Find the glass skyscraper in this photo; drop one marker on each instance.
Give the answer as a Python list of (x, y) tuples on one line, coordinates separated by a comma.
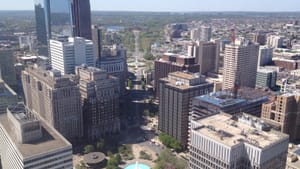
[(57, 18)]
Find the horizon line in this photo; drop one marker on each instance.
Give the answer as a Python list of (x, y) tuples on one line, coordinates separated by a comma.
[(13, 10)]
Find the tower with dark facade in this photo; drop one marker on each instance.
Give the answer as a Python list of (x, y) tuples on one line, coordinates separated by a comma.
[(82, 18)]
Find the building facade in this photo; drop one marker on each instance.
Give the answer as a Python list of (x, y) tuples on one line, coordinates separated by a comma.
[(56, 18), (207, 57), (240, 65), (176, 93), (7, 96), (245, 100), (100, 101), (82, 18), (66, 55), (283, 114), (265, 55), (223, 141), (171, 62), (27, 142), (56, 98), (96, 37), (266, 78)]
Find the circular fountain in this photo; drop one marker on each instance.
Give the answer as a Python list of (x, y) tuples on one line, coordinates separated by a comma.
[(137, 166)]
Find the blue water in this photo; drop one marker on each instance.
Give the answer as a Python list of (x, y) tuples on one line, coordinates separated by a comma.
[(141, 166), (115, 28)]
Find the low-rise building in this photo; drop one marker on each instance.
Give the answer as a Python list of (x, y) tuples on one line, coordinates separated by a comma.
[(28, 142), (224, 141)]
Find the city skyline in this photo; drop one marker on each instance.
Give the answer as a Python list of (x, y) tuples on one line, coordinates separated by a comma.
[(176, 5)]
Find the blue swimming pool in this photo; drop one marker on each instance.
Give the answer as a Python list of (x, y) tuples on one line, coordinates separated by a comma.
[(137, 166)]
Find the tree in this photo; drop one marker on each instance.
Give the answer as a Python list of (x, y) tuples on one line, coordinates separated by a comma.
[(170, 142), (129, 83), (88, 149), (100, 145), (168, 161), (118, 158)]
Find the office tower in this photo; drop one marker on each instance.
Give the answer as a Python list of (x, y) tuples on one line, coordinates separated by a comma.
[(55, 98), (195, 34), (266, 78), (176, 93), (260, 38), (245, 142), (207, 57), (27, 142), (53, 19), (240, 65), (233, 101), (283, 114), (114, 61), (7, 96), (97, 40), (8, 72), (171, 62), (100, 101), (265, 55), (41, 8), (275, 41), (82, 18), (66, 55), (57, 18), (205, 33)]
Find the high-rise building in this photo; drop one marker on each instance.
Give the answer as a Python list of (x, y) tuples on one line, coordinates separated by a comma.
[(195, 34), (207, 57), (97, 40), (7, 96), (266, 78), (265, 55), (232, 101), (100, 101), (41, 8), (283, 114), (66, 55), (240, 65), (82, 18), (27, 142), (205, 33), (259, 38), (55, 98), (114, 61), (8, 72), (53, 19), (171, 62), (176, 93), (224, 141), (56, 18), (275, 41)]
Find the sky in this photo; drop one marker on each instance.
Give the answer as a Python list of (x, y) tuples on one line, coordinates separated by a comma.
[(173, 5)]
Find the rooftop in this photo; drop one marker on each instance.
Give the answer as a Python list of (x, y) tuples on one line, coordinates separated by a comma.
[(22, 114), (226, 97), (231, 130), (51, 140), (293, 157)]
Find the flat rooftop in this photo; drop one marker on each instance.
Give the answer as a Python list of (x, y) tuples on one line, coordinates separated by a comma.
[(226, 97), (184, 75), (224, 129), (51, 140)]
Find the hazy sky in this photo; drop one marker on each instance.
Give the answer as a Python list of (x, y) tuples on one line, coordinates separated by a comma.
[(173, 5)]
